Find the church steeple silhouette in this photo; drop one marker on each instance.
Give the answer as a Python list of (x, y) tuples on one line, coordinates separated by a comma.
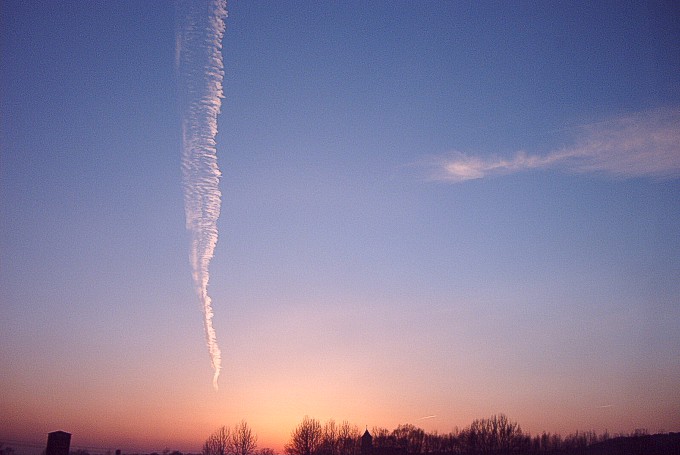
[(366, 443)]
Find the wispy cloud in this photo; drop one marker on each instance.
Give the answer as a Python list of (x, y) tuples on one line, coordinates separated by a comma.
[(645, 144), (428, 417)]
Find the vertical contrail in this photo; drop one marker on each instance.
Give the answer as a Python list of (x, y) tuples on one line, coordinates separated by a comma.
[(200, 69)]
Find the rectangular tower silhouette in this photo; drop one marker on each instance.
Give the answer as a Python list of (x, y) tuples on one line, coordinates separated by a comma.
[(58, 443)]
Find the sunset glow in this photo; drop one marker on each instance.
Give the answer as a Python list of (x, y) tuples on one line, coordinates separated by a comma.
[(428, 213)]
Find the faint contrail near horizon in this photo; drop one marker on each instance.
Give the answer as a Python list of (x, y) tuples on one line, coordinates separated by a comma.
[(200, 68)]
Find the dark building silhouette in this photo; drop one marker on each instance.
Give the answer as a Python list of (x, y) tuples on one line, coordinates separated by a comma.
[(367, 443), (58, 443), (367, 447)]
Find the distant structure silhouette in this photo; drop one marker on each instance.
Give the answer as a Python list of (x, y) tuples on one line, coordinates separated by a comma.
[(367, 447), (58, 443), (367, 443)]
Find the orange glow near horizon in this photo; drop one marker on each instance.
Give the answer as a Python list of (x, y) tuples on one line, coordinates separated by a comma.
[(180, 418), (272, 393)]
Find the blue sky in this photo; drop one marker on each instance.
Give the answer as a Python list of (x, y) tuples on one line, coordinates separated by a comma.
[(352, 260)]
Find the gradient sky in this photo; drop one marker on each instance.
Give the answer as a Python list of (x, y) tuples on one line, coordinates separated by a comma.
[(429, 208)]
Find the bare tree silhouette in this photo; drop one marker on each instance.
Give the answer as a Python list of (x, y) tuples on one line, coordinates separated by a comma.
[(348, 439), (243, 440), (218, 442), (329, 439), (495, 435), (306, 439)]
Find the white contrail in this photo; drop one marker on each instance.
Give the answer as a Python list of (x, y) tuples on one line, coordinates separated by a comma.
[(201, 70)]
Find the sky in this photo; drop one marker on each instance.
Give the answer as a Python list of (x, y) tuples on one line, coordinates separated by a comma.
[(448, 209)]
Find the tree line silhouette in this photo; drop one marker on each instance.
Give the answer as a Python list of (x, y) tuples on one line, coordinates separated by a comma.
[(495, 435)]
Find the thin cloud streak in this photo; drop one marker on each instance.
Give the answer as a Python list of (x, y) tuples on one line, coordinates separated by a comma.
[(201, 71), (645, 144)]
